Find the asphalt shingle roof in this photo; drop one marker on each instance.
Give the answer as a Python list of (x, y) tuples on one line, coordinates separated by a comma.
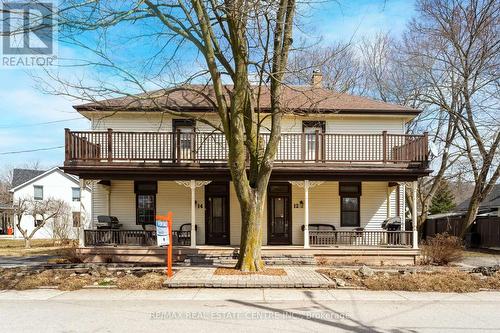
[(490, 202), (294, 98), (21, 176)]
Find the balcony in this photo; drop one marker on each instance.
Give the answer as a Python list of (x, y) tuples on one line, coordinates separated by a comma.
[(109, 147)]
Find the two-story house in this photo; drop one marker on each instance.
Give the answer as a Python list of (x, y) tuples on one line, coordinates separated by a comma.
[(338, 175), (51, 184)]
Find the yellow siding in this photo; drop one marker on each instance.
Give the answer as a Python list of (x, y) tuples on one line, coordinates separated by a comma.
[(123, 203), (324, 207), (100, 200), (290, 124), (177, 199)]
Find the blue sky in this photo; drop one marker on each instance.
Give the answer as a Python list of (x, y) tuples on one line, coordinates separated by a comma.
[(23, 107)]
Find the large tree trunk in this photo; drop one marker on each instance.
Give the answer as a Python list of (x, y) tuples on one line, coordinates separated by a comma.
[(27, 243), (250, 259)]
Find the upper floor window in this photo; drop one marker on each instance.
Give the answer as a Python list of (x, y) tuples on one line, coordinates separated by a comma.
[(350, 194), (184, 137), (38, 192), (75, 193), (313, 144)]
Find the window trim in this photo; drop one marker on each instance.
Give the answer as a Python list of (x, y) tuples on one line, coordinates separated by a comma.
[(314, 123), (356, 195), (137, 208), (139, 192), (73, 194), (34, 192)]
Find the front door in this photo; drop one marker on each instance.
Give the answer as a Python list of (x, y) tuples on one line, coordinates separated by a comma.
[(217, 214), (279, 224)]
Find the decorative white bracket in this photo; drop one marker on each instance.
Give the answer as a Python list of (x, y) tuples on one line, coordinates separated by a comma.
[(193, 183), (304, 183)]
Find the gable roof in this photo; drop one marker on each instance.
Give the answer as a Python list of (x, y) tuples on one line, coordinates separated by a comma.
[(43, 174), (492, 201), (197, 98), (20, 176)]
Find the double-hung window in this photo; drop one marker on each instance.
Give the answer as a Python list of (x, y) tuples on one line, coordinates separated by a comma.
[(313, 135), (75, 193), (38, 192), (350, 194)]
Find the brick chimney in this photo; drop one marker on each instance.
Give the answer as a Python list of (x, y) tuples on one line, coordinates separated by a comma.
[(317, 77)]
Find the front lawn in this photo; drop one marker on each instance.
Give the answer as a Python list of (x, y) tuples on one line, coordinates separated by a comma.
[(443, 280), (15, 247)]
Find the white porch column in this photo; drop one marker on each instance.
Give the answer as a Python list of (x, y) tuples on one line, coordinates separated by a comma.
[(193, 184), (306, 214), (193, 212), (307, 185), (81, 228), (414, 214)]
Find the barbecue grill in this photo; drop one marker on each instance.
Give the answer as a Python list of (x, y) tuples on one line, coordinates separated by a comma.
[(108, 222), (393, 224)]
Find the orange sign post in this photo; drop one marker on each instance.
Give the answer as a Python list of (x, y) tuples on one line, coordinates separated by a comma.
[(164, 237), (169, 248)]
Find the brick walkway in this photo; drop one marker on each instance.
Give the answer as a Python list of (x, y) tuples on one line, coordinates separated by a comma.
[(203, 277)]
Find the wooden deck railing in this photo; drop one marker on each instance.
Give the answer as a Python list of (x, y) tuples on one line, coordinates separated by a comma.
[(115, 237), (360, 238), (199, 147)]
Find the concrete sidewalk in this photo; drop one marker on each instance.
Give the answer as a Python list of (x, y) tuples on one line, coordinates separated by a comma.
[(247, 310), (249, 294)]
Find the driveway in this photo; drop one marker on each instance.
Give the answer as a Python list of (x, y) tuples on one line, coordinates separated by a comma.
[(17, 261), (475, 259), (247, 310)]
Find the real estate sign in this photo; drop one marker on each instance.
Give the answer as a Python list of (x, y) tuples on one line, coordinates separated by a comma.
[(162, 237)]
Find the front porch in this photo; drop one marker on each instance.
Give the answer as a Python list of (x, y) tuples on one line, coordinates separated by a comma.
[(310, 214)]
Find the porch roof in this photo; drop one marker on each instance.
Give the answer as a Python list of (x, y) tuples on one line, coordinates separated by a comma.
[(220, 171)]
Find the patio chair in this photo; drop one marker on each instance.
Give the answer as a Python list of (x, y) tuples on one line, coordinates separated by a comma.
[(183, 236), (324, 239)]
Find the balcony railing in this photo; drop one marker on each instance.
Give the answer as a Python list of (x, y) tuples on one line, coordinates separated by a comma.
[(201, 147), (361, 238)]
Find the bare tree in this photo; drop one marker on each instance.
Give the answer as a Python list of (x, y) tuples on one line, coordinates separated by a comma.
[(464, 40), (6, 185), (42, 211), (224, 42), (404, 73), (337, 63), (61, 225)]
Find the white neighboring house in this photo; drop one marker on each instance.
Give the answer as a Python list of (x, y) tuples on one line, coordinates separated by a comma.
[(53, 183)]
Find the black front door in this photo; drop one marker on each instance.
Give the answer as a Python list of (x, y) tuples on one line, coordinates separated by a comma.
[(279, 224), (217, 214)]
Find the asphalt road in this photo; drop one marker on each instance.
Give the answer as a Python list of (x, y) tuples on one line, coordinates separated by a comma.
[(247, 310)]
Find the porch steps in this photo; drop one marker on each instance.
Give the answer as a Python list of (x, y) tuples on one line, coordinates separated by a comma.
[(231, 259)]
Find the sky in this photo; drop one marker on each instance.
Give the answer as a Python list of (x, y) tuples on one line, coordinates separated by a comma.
[(32, 120)]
